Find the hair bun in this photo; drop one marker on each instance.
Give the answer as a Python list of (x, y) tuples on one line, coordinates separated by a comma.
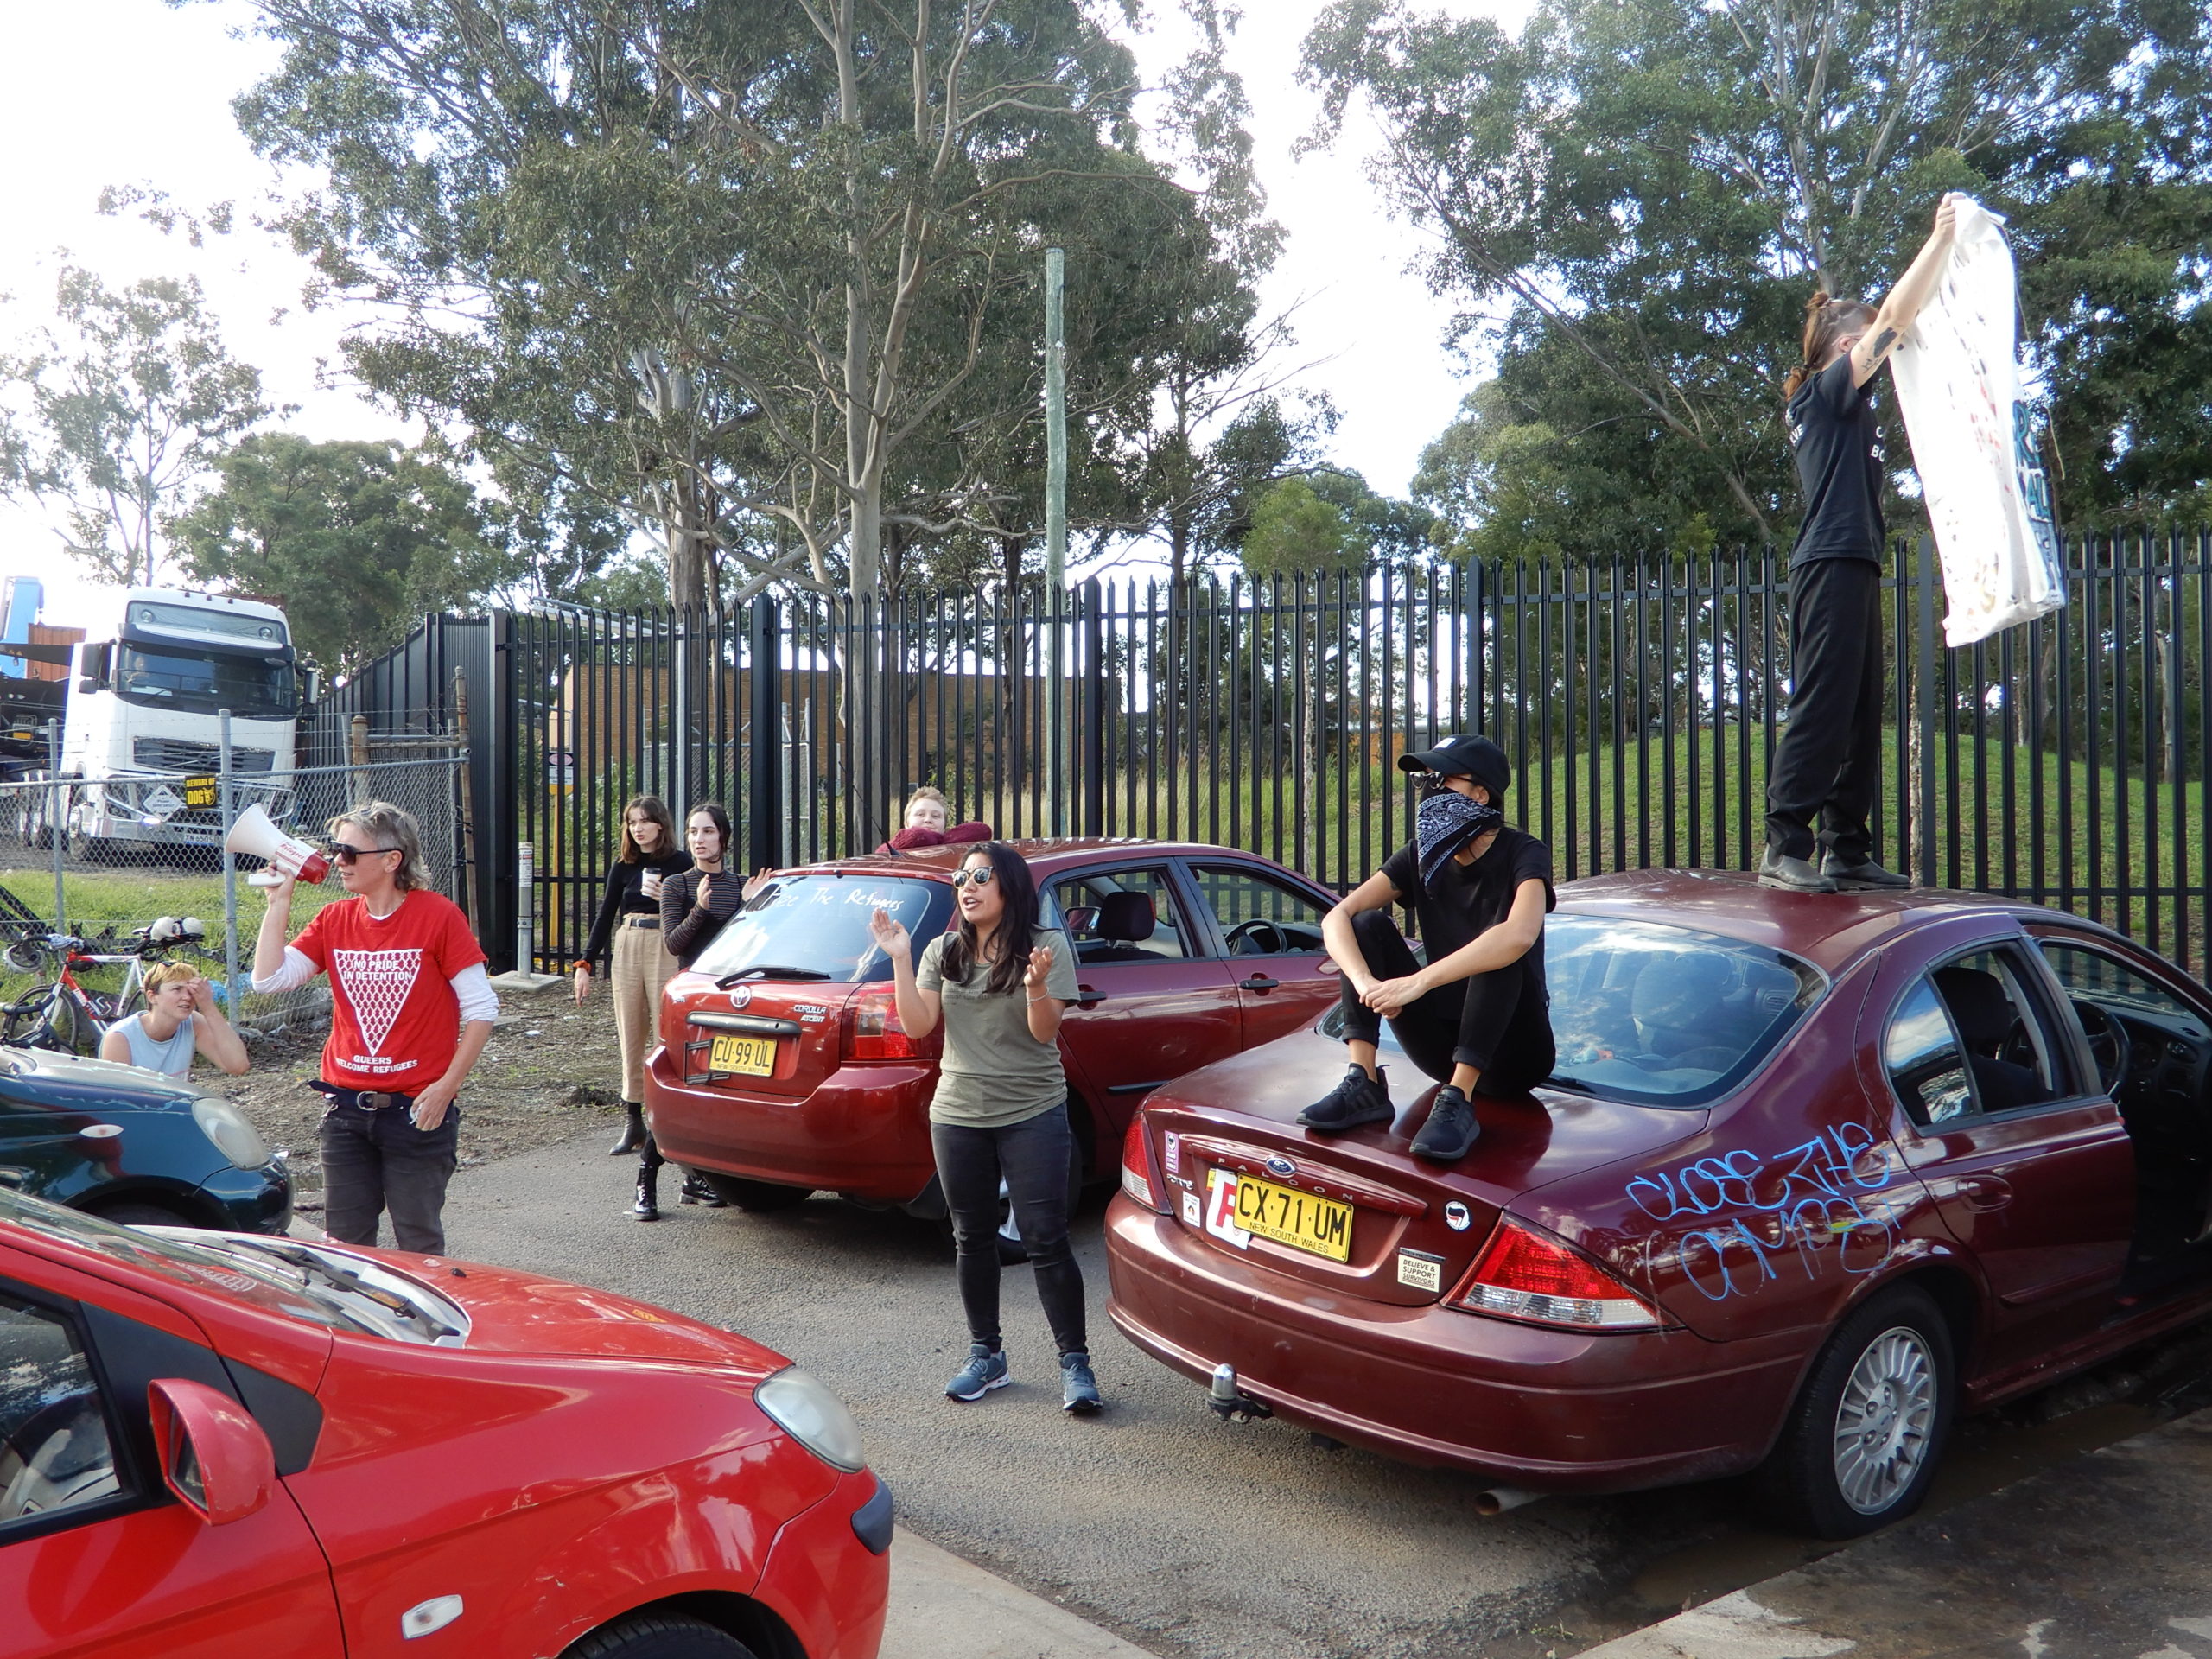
[(1818, 302)]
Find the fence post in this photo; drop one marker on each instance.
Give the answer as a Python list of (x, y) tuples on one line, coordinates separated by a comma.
[(1093, 668), (1924, 708), (57, 813), (1471, 716), (526, 908), (225, 813), (764, 805)]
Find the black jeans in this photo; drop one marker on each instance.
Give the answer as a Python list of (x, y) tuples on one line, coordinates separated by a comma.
[(1036, 1157), (377, 1162), (1829, 761), (1486, 1021)]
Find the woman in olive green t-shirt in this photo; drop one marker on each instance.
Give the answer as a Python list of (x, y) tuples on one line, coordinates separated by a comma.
[(1001, 1107)]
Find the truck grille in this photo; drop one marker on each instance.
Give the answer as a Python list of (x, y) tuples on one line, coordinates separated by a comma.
[(176, 755)]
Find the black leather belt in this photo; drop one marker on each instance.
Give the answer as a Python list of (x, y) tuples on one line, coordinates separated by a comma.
[(369, 1100), (653, 922)]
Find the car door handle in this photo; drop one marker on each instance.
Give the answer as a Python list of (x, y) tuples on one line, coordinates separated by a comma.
[(1257, 982), (1086, 997), (1986, 1193)]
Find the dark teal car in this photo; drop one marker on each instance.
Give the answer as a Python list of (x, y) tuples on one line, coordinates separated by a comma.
[(135, 1147)]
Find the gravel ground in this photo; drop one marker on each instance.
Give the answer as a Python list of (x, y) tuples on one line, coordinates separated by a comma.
[(550, 1071)]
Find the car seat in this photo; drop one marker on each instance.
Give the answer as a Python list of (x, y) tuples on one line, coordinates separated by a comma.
[(1674, 1004), (1125, 921), (1987, 1019)]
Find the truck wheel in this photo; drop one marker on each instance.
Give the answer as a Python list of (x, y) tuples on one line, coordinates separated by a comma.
[(658, 1635), (757, 1197), (1862, 1441)]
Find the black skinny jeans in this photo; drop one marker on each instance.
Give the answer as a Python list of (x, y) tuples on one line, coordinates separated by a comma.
[(1829, 761), (1484, 1021), (1037, 1159), (379, 1162)]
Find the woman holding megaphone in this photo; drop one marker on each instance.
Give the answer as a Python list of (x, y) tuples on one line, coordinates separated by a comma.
[(411, 1011)]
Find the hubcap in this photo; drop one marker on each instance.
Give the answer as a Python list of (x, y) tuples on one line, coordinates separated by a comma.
[(1885, 1419)]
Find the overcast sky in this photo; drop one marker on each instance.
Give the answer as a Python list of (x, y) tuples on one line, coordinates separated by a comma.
[(134, 91)]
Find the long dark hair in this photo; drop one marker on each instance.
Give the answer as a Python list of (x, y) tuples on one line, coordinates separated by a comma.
[(1017, 929), (1827, 321), (652, 807)]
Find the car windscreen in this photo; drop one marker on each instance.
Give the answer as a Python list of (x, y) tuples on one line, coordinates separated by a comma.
[(1663, 1015), (816, 927), (253, 688)]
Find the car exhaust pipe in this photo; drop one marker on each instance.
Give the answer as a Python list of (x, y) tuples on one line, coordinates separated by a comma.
[(1230, 1404), (1496, 1500)]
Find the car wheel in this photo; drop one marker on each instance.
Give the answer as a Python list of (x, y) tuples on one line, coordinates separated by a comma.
[(1864, 1438), (143, 1215), (658, 1635), (758, 1197)]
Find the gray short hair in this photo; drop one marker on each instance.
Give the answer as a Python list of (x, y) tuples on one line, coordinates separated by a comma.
[(387, 825)]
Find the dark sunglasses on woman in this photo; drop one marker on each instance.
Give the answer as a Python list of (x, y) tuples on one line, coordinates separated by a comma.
[(982, 878), (346, 855)]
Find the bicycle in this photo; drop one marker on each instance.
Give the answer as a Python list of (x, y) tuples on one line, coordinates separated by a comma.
[(68, 1018)]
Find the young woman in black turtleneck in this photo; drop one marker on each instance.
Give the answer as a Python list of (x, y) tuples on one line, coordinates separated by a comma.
[(628, 929)]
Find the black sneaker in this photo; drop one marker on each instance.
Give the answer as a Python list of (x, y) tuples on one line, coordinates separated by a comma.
[(1358, 1099), (1862, 877), (1451, 1129), (1792, 875)]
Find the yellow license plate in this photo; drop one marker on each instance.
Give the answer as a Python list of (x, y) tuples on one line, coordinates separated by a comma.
[(743, 1056), (1301, 1220), (199, 791)]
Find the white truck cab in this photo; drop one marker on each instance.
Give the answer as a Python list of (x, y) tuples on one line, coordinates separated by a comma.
[(140, 732)]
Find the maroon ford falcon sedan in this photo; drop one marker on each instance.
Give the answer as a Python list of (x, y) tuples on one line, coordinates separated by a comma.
[(784, 1069), (1814, 1172)]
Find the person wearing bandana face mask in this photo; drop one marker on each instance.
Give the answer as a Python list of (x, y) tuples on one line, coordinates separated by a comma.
[(1477, 1017)]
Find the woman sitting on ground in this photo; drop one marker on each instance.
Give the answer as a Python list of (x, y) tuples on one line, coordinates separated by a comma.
[(179, 1018)]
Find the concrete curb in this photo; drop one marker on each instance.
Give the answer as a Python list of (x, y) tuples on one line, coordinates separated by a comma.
[(941, 1605)]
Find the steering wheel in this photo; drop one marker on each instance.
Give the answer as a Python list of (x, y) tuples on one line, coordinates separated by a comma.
[(59, 1456), (1254, 930), (2109, 1045)]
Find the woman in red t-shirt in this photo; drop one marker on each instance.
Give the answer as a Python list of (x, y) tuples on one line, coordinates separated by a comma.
[(410, 1009)]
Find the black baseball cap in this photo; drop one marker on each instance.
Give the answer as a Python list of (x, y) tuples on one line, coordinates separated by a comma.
[(1466, 755)]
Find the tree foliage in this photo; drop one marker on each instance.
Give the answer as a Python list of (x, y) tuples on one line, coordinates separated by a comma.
[(120, 415), (355, 540), (1638, 196)]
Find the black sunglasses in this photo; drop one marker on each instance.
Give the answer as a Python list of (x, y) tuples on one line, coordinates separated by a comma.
[(346, 855), (982, 878)]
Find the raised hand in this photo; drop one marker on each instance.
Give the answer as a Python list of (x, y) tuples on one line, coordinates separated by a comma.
[(890, 934), (1039, 969)]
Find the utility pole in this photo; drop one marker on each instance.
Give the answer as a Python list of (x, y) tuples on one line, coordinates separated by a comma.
[(1056, 423)]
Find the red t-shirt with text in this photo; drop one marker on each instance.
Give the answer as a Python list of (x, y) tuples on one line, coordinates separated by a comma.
[(395, 1021)]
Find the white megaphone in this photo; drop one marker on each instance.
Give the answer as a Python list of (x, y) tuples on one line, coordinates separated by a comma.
[(253, 833)]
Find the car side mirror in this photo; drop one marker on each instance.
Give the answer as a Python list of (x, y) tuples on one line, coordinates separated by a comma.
[(214, 1456), (1081, 918), (87, 686)]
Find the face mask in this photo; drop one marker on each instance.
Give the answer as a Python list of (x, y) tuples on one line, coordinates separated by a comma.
[(1443, 824)]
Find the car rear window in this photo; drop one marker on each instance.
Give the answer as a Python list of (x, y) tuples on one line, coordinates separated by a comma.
[(816, 927), (1663, 1015)]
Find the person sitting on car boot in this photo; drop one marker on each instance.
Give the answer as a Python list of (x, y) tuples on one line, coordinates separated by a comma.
[(1477, 1017)]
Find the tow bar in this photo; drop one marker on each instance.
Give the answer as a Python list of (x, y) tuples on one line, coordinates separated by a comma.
[(1230, 1404)]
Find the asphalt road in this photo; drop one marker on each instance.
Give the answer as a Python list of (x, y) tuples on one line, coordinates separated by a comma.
[(1184, 1534)]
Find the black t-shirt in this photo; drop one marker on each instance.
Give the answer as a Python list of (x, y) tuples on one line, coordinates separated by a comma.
[(625, 896), (1472, 898), (1839, 449)]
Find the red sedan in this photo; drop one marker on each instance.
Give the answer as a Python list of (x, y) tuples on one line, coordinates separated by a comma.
[(222, 1444), (1814, 1174), (783, 1068)]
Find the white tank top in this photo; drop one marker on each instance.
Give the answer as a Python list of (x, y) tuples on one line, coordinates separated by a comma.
[(173, 1057)]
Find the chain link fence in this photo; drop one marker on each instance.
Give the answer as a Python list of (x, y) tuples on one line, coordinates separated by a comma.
[(100, 860)]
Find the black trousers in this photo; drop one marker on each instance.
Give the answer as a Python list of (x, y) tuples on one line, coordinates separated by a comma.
[(1487, 1021), (1036, 1159), (1828, 764), (375, 1162)]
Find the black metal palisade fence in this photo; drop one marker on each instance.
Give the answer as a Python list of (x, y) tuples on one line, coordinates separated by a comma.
[(2063, 761)]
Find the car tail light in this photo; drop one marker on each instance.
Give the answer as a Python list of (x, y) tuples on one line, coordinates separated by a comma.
[(872, 1027), (1526, 1274), (1139, 1180)]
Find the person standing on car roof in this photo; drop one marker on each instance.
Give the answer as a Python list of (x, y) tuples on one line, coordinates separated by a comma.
[(411, 1011), (628, 924), (695, 904), (1830, 758), (1477, 1017), (1001, 1109)]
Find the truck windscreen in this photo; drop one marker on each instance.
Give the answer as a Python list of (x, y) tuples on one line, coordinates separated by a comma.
[(251, 688)]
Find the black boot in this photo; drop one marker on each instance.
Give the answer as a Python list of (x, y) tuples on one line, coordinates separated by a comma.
[(695, 1191), (633, 1130), (647, 1208)]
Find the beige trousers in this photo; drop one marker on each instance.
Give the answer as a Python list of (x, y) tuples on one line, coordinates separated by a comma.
[(641, 967)]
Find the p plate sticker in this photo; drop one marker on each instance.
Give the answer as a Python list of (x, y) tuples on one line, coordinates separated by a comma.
[(1421, 1271), (1221, 1208), (1194, 1212), (1456, 1217), (1174, 1153)]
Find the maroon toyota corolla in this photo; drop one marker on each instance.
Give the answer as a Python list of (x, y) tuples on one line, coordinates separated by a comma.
[(784, 1069), (1814, 1174)]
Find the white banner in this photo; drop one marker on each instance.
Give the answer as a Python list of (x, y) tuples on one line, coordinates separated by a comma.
[(1974, 442)]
